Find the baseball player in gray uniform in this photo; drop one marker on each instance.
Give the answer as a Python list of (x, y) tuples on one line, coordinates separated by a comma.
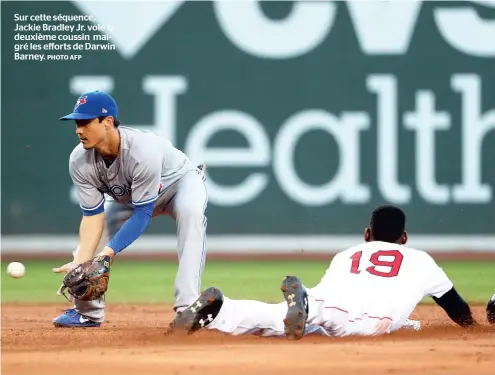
[(125, 177)]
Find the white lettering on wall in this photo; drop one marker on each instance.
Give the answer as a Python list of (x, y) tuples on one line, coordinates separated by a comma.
[(384, 27), (464, 30), (256, 155), (385, 87), (425, 120), (381, 27), (345, 184), (347, 130), (475, 126), (304, 29), (165, 90)]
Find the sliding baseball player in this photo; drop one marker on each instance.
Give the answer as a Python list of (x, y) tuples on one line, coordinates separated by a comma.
[(369, 289)]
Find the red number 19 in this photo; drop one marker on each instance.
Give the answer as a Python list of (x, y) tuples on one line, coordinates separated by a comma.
[(394, 264)]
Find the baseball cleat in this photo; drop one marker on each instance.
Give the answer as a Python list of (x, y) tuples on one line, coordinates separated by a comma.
[(200, 313), (297, 303), (71, 318), (490, 310)]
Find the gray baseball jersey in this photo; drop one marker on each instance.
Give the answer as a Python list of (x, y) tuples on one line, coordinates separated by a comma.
[(148, 169), (146, 166)]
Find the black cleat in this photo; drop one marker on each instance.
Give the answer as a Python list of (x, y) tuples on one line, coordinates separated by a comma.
[(297, 303), (200, 313), (490, 310)]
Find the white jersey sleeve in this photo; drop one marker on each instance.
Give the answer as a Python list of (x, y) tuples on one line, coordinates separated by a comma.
[(436, 281), (91, 200), (146, 175)]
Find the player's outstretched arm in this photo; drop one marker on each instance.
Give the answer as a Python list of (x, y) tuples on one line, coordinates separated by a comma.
[(91, 201), (90, 232), (456, 308), (441, 289)]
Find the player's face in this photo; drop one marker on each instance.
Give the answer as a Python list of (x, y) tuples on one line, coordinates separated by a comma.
[(90, 132)]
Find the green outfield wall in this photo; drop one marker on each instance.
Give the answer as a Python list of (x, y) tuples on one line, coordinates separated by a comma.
[(307, 114)]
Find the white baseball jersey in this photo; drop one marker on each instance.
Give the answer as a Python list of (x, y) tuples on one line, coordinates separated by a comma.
[(376, 281), (369, 289), (148, 164)]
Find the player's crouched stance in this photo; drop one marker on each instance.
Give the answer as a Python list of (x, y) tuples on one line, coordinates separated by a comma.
[(124, 177), (369, 289)]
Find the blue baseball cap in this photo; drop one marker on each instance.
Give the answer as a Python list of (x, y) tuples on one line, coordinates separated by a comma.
[(92, 105)]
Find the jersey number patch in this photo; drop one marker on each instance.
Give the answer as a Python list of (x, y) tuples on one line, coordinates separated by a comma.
[(394, 264)]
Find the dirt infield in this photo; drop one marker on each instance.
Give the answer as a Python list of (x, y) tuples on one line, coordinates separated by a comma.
[(133, 342)]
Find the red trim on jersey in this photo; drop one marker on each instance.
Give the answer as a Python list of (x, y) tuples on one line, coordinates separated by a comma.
[(336, 308), (372, 317), (361, 318), (378, 317)]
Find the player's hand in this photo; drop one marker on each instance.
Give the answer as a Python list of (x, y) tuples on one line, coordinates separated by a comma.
[(107, 251), (65, 268)]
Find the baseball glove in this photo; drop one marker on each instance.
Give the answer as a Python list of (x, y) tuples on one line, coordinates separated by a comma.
[(490, 310), (89, 280)]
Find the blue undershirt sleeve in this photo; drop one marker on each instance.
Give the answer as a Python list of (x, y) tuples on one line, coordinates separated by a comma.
[(133, 227)]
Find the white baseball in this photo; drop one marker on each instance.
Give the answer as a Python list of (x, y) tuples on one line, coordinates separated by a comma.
[(16, 270)]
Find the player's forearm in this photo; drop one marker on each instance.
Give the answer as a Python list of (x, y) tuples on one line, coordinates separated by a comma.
[(456, 308), (90, 232)]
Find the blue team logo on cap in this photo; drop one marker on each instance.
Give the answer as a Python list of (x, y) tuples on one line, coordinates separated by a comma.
[(81, 100)]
